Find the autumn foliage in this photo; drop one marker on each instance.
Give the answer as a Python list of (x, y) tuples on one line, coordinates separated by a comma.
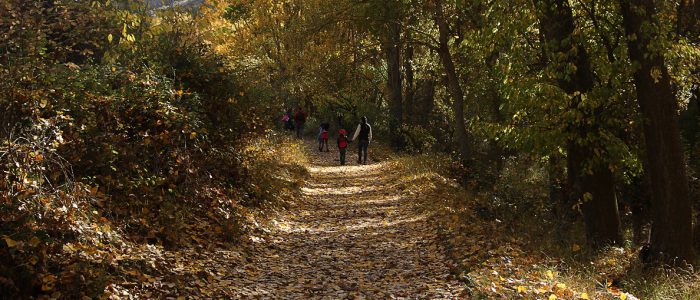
[(117, 130), (141, 148)]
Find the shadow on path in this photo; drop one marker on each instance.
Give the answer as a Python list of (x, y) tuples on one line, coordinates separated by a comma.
[(354, 238)]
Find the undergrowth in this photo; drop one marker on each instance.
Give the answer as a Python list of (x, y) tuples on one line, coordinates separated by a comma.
[(503, 242), (123, 134), (92, 250)]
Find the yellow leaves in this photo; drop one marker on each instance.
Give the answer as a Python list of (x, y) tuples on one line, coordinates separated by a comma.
[(655, 74), (69, 248), (110, 38), (587, 197), (34, 241), (43, 103), (584, 296), (623, 296), (521, 289), (193, 135), (10, 242), (549, 274), (552, 297), (575, 248)]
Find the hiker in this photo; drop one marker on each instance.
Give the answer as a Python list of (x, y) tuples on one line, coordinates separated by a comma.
[(299, 120), (287, 120), (323, 136), (342, 144), (364, 133)]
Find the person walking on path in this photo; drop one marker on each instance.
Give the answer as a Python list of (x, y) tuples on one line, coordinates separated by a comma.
[(323, 136), (299, 120), (364, 133), (287, 120), (342, 144)]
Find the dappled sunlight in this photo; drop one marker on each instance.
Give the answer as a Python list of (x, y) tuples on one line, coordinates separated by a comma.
[(361, 200), (356, 234), (338, 191), (349, 149), (348, 169), (386, 224)]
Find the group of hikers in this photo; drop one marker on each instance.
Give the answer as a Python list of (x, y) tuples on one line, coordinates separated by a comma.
[(294, 121), (363, 134)]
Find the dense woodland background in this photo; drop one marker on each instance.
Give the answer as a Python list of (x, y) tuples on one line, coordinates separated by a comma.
[(126, 125)]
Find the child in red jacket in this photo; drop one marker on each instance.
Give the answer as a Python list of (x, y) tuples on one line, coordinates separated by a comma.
[(343, 142)]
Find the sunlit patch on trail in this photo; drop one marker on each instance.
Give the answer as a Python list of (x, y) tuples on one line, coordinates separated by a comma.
[(376, 202), (357, 235), (386, 223), (338, 191), (365, 169)]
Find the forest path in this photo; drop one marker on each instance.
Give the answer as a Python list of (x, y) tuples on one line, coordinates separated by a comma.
[(353, 237)]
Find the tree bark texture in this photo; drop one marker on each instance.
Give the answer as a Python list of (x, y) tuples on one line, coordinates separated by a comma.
[(424, 101), (461, 135), (410, 87), (671, 211), (392, 50)]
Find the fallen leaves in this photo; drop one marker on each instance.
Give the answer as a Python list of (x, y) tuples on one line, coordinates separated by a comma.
[(494, 261), (10, 242), (357, 232)]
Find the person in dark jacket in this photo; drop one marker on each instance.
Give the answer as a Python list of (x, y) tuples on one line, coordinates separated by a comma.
[(299, 121), (364, 134)]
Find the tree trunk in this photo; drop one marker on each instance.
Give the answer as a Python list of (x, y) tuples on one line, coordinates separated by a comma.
[(424, 101), (410, 88), (671, 212), (594, 187), (639, 202), (461, 135), (392, 51), (557, 195)]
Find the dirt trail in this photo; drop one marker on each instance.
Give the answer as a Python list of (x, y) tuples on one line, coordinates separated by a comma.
[(354, 237)]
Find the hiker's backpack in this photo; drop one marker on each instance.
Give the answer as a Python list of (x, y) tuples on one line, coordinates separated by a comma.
[(324, 135)]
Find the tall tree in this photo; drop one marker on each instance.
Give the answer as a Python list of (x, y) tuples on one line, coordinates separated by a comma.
[(410, 85), (443, 49), (588, 181), (391, 45), (671, 210)]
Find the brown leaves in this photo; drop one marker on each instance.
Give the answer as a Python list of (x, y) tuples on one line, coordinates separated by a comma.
[(497, 262)]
